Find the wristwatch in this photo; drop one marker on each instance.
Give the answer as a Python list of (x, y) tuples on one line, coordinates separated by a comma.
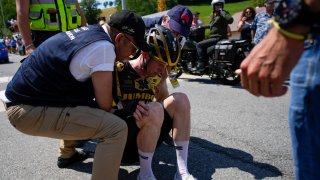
[(295, 12)]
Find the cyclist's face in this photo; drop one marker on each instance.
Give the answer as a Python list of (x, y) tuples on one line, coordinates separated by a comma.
[(155, 67)]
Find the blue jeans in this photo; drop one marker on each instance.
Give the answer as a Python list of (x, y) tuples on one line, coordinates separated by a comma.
[(304, 113)]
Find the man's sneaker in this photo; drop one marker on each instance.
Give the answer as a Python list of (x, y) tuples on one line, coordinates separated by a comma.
[(199, 68), (77, 157), (146, 178), (188, 177)]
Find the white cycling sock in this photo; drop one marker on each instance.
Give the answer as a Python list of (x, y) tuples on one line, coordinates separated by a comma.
[(145, 164), (182, 157)]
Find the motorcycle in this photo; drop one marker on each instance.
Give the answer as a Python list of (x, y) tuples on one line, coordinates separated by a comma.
[(224, 58)]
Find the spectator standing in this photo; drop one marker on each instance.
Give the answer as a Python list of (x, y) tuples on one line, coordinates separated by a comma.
[(101, 20), (196, 21), (7, 42), (292, 45), (20, 47), (245, 23), (13, 45), (260, 25), (39, 20)]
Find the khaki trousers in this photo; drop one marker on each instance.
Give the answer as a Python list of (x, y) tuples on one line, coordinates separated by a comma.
[(76, 123)]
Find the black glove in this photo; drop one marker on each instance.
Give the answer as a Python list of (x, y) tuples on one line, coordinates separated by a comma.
[(128, 110), (131, 107), (123, 114)]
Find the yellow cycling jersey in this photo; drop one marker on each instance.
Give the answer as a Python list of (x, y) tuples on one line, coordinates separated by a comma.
[(129, 86)]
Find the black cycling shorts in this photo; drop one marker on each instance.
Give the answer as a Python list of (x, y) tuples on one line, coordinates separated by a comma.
[(130, 154)]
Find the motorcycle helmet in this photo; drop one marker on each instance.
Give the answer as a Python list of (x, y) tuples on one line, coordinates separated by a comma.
[(164, 45), (217, 1)]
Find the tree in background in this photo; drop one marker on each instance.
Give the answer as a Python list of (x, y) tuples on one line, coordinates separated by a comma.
[(161, 5), (9, 12), (111, 3), (197, 2), (105, 4), (145, 7), (91, 11), (108, 3), (258, 3)]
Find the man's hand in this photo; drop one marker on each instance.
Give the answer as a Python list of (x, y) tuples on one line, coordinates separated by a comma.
[(141, 114), (269, 64), (30, 50)]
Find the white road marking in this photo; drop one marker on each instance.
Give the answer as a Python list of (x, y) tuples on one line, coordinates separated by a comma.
[(5, 79), (1, 107)]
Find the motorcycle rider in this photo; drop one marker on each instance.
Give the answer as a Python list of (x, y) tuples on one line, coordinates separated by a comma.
[(219, 30), (135, 84)]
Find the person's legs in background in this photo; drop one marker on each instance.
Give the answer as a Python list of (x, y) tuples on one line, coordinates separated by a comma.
[(202, 54)]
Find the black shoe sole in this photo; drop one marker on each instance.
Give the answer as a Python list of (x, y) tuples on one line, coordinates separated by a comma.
[(78, 157)]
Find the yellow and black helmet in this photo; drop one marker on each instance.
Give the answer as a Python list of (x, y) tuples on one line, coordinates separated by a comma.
[(164, 46)]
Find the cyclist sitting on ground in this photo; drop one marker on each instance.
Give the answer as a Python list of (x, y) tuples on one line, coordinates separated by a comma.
[(136, 83)]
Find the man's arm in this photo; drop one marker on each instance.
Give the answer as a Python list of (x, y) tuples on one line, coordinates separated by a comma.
[(269, 64), (102, 83), (271, 61), (227, 16), (83, 18), (22, 8), (254, 27), (253, 34), (313, 4)]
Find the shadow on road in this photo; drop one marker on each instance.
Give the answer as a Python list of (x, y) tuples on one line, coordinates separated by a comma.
[(207, 80), (212, 156), (201, 80), (205, 158)]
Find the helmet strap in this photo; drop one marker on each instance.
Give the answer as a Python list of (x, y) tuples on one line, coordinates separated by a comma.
[(144, 63)]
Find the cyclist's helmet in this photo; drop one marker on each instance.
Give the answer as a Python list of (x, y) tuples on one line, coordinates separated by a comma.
[(164, 45)]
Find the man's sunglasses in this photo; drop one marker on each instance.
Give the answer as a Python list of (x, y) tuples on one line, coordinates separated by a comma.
[(134, 47)]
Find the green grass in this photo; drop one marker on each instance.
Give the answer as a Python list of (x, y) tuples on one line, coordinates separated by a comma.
[(232, 8), (204, 9)]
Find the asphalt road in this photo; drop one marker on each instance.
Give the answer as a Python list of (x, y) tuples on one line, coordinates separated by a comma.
[(234, 135)]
